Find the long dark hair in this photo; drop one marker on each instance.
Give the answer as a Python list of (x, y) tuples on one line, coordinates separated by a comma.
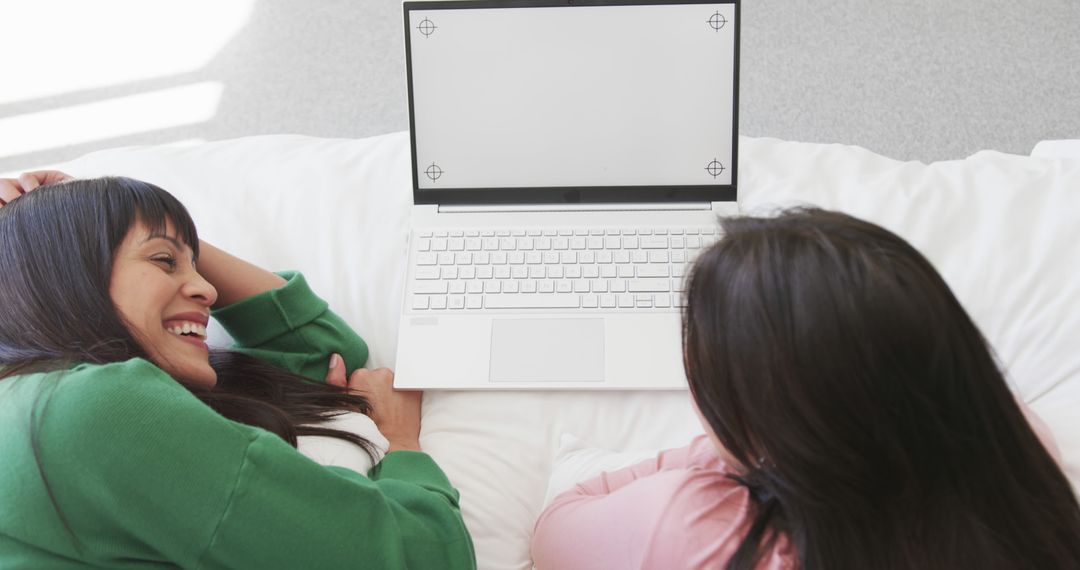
[(874, 427), (56, 255)]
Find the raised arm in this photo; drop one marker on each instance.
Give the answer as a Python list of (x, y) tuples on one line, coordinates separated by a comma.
[(234, 278)]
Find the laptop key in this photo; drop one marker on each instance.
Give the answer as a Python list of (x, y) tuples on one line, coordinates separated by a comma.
[(430, 288), (532, 301), (654, 242), (652, 270), (648, 285), (426, 273)]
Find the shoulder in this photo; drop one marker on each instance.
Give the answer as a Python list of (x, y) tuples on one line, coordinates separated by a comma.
[(131, 424), (132, 374), (682, 517), (700, 515), (132, 401), (91, 390)]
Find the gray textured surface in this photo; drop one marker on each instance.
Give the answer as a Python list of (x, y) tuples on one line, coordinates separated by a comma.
[(923, 80)]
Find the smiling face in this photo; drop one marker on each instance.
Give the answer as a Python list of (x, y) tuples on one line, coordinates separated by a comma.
[(165, 302)]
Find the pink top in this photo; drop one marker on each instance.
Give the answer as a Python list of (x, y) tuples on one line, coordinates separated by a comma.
[(677, 510)]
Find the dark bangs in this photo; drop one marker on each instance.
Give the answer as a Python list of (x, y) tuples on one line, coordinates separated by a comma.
[(128, 201)]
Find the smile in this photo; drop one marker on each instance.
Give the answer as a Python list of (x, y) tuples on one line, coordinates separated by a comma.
[(187, 329)]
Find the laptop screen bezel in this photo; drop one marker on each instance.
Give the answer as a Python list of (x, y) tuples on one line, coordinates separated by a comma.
[(565, 194)]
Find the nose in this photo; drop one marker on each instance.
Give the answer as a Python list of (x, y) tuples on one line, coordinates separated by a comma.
[(199, 289)]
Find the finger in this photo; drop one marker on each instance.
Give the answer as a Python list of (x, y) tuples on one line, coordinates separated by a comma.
[(335, 374), (9, 190), (28, 181), (38, 178), (51, 176)]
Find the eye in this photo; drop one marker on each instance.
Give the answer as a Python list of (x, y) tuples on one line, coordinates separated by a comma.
[(166, 260)]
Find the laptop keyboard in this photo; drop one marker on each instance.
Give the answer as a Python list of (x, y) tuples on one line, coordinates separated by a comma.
[(604, 269)]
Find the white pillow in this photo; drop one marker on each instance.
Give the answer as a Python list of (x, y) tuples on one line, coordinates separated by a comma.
[(577, 461), (1065, 148)]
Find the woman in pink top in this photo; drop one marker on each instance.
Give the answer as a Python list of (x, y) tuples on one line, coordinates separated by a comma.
[(855, 418)]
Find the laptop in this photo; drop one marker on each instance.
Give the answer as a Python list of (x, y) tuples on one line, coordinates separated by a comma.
[(569, 160)]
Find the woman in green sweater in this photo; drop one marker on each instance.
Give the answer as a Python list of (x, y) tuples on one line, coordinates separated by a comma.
[(127, 444)]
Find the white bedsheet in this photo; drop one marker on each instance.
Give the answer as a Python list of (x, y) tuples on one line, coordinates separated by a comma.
[(1002, 229)]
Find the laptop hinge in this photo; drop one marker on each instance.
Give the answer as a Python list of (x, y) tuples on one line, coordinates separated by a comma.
[(619, 207)]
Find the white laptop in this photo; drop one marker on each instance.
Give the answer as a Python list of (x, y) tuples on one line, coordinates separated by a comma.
[(570, 159)]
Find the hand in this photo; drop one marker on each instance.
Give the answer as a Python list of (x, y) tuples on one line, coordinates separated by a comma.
[(11, 188), (395, 412)]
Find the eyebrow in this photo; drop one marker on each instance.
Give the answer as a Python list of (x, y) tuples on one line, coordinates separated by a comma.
[(180, 246)]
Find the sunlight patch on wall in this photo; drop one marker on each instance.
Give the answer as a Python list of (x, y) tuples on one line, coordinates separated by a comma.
[(77, 124), (73, 45)]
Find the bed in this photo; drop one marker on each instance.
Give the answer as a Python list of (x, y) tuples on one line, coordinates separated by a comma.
[(1003, 230)]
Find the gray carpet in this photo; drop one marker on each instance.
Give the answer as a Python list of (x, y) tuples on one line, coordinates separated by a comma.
[(918, 80)]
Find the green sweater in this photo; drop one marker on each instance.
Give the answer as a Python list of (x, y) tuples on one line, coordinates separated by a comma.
[(132, 471)]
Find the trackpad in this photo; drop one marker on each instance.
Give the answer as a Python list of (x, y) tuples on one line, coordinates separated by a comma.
[(538, 350)]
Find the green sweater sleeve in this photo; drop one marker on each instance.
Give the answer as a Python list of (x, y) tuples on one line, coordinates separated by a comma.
[(292, 328), (142, 470)]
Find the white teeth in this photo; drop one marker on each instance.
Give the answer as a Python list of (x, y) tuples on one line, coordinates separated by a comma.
[(188, 328)]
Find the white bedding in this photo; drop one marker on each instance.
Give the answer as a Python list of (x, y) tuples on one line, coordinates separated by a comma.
[(1002, 229)]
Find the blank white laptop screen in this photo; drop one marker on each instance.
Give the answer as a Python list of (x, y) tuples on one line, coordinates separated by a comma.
[(639, 95)]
